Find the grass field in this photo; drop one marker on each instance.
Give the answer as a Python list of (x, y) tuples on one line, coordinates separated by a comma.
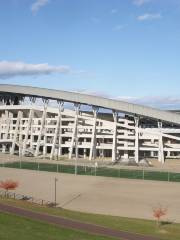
[(19, 228), (167, 231), (100, 171)]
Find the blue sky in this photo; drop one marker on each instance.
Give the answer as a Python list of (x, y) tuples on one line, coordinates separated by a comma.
[(126, 49)]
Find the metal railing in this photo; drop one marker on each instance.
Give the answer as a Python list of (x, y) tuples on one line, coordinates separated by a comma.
[(17, 196)]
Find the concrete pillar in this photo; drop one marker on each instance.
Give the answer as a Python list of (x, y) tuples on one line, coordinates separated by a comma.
[(152, 154), (160, 150), (168, 154), (75, 131), (1, 122), (31, 132), (15, 133), (136, 119), (57, 130), (85, 150), (20, 134), (126, 155), (114, 146), (7, 121), (11, 125), (27, 131), (92, 153), (43, 118)]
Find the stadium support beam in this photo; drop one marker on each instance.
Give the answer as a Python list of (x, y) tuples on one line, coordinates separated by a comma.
[(92, 154), (136, 120), (114, 146), (20, 134), (27, 131), (16, 132), (85, 149), (1, 124), (161, 150), (7, 116), (8, 120), (43, 118), (57, 130), (74, 133)]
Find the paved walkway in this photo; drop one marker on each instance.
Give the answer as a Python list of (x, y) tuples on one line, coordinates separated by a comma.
[(73, 224)]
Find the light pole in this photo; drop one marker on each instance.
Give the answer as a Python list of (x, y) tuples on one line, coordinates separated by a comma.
[(55, 181)]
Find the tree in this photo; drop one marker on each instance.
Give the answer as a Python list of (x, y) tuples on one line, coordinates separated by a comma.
[(158, 213), (9, 185)]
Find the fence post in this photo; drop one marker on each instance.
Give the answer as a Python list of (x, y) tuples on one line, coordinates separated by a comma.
[(168, 176), (57, 167), (143, 173)]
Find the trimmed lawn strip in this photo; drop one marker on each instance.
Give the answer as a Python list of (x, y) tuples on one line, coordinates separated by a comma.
[(14, 227), (146, 227)]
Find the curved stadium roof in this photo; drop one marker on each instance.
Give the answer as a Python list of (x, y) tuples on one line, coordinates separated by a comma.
[(117, 105)]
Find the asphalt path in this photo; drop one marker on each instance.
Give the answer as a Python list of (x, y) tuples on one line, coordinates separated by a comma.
[(73, 224)]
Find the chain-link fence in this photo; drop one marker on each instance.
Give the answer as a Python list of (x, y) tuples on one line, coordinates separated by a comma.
[(93, 170)]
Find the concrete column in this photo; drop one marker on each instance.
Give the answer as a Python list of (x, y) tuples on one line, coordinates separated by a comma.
[(75, 132), (45, 144), (43, 118), (92, 153), (32, 100), (31, 132), (1, 122), (160, 150), (7, 121), (168, 154), (31, 111), (126, 155), (4, 130), (152, 154), (15, 133), (136, 119), (114, 146), (20, 134), (57, 130), (11, 126), (85, 150)]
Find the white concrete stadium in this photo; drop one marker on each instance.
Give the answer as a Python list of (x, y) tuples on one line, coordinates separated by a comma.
[(52, 123)]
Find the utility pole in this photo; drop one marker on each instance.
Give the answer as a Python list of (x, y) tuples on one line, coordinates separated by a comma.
[(55, 181)]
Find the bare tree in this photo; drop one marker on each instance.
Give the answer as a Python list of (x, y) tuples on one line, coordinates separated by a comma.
[(158, 213)]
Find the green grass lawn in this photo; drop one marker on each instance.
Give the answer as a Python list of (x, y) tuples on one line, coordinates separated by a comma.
[(13, 227), (164, 232), (100, 171)]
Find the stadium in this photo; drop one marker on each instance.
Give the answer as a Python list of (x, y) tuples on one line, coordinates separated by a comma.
[(52, 123)]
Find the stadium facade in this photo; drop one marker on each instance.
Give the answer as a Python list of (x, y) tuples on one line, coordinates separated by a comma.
[(51, 123)]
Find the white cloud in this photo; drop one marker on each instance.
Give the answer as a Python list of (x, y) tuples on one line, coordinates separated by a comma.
[(14, 69), (149, 16), (38, 4), (140, 2)]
